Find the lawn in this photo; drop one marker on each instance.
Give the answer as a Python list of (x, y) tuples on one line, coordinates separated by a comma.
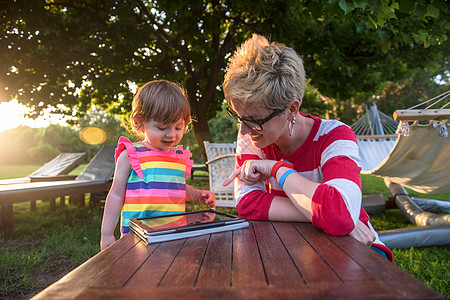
[(46, 246)]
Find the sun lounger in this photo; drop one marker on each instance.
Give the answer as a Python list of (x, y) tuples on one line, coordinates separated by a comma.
[(96, 177), (56, 169)]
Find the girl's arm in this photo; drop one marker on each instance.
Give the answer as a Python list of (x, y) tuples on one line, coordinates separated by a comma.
[(114, 200), (203, 196)]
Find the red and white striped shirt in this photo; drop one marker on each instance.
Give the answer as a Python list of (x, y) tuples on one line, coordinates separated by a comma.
[(328, 156)]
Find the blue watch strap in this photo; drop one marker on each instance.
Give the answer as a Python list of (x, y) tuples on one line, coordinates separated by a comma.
[(284, 176)]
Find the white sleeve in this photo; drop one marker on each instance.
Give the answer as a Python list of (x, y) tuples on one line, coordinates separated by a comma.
[(244, 151)]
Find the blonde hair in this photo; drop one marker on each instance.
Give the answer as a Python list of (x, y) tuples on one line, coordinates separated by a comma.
[(161, 101), (270, 74)]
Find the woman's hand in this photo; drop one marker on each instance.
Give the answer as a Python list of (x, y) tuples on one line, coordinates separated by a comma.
[(363, 234), (252, 171)]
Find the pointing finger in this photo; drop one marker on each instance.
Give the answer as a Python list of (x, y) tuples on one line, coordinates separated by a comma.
[(232, 177)]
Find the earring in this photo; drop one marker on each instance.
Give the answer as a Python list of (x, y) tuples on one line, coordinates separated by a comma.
[(291, 127)]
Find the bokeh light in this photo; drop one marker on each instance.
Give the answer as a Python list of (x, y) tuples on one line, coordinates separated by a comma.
[(93, 135)]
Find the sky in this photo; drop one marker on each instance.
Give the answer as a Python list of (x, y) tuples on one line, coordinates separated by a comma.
[(12, 114)]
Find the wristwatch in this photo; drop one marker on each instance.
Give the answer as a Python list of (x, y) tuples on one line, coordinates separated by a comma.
[(279, 164)]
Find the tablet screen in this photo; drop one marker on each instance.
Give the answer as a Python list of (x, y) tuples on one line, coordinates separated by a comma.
[(188, 220)]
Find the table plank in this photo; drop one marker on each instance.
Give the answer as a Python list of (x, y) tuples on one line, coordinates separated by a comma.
[(359, 290), (395, 278), (247, 267), (345, 267), (77, 280), (120, 272), (184, 269), (278, 265), (154, 268), (313, 268), (216, 266)]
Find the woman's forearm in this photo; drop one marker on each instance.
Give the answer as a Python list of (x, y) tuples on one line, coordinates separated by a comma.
[(283, 209), (300, 192)]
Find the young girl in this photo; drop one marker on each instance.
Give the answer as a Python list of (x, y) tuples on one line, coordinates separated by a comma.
[(150, 176)]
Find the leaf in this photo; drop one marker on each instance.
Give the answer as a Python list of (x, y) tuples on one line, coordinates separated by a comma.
[(389, 11), (361, 4), (441, 6), (406, 6), (420, 11), (432, 11), (346, 6)]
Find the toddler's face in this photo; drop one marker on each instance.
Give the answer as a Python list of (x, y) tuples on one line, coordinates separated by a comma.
[(161, 136)]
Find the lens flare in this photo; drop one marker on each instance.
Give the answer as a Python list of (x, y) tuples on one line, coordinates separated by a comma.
[(93, 135)]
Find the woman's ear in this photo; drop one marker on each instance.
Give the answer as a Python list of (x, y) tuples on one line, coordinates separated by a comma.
[(294, 108)]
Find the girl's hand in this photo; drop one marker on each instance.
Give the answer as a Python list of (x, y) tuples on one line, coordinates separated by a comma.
[(106, 241), (207, 197), (363, 234), (252, 171)]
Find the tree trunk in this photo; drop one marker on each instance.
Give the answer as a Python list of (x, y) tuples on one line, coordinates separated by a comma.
[(202, 133), (199, 105)]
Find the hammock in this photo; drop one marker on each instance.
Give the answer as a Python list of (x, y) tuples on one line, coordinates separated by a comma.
[(417, 158), (420, 161)]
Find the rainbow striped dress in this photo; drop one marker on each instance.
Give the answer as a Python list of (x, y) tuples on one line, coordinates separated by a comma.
[(157, 182)]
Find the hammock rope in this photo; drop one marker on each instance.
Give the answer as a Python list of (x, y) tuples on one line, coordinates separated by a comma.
[(439, 97)]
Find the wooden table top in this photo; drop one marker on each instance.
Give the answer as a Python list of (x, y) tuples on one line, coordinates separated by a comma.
[(268, 260)]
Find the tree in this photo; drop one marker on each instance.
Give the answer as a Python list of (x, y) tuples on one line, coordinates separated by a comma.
[(79, 53), (352, 48)]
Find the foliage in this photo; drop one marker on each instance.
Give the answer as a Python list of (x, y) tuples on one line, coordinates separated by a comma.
[(424, 84), (390, 219), (223, 128), (351, 48), (83, 53), (46, 246), (429, 265), (112, 125)]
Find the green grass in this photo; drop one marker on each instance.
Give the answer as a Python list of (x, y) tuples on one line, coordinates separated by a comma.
[(46, 246), (375, 185), (17, 171)]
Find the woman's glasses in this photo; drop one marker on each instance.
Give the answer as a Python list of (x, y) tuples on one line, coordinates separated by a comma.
[(256, 125)]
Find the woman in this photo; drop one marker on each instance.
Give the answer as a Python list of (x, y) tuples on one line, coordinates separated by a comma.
[(291, 166)]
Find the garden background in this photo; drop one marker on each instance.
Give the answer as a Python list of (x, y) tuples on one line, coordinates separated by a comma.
[(85, 58)]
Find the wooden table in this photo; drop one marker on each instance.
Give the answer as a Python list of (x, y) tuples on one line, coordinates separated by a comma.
[(269, 260)]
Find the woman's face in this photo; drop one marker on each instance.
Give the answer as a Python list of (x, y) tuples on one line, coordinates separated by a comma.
[(272, 129)]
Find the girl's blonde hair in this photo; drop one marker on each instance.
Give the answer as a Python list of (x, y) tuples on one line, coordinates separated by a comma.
[(161, 101), (269, 74)]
